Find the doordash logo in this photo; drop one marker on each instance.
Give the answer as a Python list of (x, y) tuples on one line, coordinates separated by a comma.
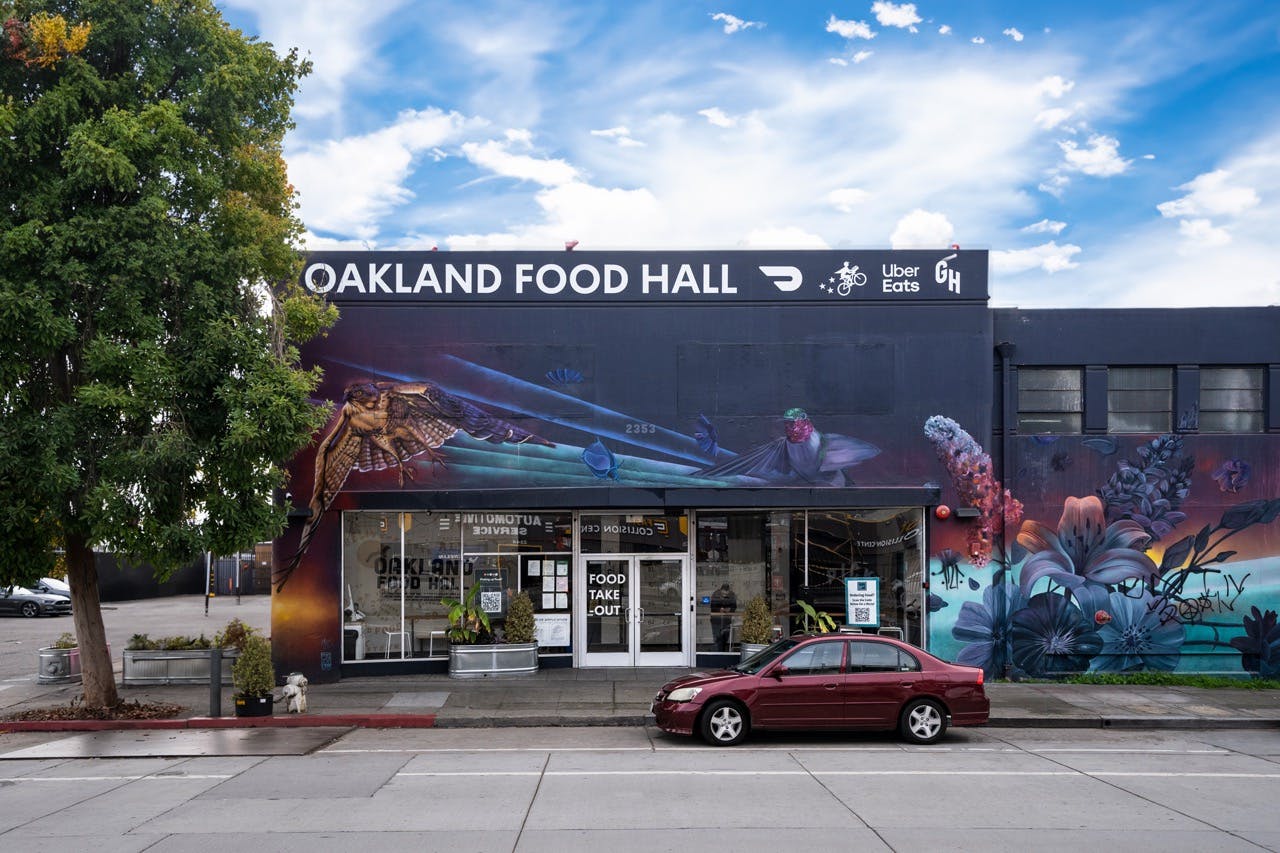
[(943, 274), (786, 279)]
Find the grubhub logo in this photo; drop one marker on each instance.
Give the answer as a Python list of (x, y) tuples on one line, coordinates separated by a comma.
[(943, 274)]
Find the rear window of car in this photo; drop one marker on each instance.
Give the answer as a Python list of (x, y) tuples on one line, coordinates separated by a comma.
[(880, 657)]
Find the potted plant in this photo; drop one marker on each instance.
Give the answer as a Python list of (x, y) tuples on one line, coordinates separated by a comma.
[(173, 660), (59, 662), (816, 621), (757, 626), (473, 648), (254, 678)]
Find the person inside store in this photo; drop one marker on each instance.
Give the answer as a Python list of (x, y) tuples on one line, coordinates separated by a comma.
[(723, 604)]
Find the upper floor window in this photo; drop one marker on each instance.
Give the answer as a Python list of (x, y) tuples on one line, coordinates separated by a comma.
[(1050, 400), (1139, 399), (1231, 399)]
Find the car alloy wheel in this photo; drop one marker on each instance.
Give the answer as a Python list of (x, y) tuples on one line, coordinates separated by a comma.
[(30, 608), (923, 722), (724, 724)]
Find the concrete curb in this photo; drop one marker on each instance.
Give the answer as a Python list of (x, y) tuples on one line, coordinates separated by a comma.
[(428, 721), (348, 721)]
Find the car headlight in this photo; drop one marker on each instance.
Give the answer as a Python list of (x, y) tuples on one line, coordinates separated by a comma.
[(683, 694)]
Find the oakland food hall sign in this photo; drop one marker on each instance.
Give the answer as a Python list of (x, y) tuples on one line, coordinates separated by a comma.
[(831, 276)]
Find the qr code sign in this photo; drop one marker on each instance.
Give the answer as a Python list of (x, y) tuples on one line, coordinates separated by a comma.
[(862, 615), (491, 602)]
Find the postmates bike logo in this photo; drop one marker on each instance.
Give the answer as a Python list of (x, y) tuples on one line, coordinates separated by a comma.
[(844, 280)]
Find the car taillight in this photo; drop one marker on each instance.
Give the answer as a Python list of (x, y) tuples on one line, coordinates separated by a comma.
[(981, 675)]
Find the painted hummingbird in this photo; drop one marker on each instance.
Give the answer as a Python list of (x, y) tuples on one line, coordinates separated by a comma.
[(803, 453)]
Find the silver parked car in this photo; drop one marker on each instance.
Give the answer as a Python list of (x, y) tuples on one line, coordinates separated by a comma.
[(52, 586), (20, 601)]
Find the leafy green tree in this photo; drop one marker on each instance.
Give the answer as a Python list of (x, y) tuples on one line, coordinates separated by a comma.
[(149, 383)]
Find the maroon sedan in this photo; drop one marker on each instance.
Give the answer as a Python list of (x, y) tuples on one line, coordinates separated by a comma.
[(828, 681)]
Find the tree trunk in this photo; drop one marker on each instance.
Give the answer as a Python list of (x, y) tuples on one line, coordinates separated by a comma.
[(91, 635)]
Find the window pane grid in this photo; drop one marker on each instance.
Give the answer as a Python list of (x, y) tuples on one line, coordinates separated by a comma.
[(1050, 400), (1231, 399), (1139, 399)]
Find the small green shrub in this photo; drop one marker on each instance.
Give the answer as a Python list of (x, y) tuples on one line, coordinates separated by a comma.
[(253, 673), (1173, 679), (141, 643), (66, 641), (757, 621), (468, 623), (520, 626), (234, 636)]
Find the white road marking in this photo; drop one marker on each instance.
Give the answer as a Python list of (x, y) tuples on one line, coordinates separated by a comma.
[(140, 778), (1011, 773)]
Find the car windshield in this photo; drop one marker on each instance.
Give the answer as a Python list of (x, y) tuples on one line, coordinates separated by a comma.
[(765, 656), (20, 590)]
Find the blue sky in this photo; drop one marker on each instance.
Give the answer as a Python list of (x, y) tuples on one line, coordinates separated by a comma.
[(1107, 153)]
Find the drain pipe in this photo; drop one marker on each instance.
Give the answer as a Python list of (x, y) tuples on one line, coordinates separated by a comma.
[(1005, 350)]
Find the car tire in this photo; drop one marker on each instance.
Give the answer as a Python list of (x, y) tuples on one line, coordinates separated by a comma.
[(724, 723), (30, 609), (923, 721)]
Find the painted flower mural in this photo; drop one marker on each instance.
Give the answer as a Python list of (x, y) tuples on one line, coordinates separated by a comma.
[(984, 628), (1108, 588), (1051, 636), (1084, 548), (971, 472), (1232, 475), (1135, 636), (1260, 646)]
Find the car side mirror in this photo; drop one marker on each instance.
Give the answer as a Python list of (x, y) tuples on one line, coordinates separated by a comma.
[(779, 671)]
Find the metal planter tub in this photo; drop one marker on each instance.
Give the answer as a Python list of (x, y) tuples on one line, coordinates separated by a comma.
[(57, 666), (188, 666), (498, 659)]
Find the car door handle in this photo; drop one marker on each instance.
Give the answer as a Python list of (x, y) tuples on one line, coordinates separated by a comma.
[(904, 683), (830, 686)]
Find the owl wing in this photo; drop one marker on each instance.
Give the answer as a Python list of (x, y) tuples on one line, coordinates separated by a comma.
[(339, 451)]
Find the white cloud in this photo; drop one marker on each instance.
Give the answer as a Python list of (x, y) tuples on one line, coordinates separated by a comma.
[(1055, 185), (849, 29), (835, 60), (978, 40), (621, 135), (894, 15), (1210, 195), (846, 199), (595, 216), (495, 157), (346, 185), (944, 30), (1044, 226), (718, 117), (1048, 257), (1100, 157), (1055, 86), (1052, 117), (922, 229), (342, 47), (733, 24), (862, 56), (789, 237), (1013, 33), (1201, 233)]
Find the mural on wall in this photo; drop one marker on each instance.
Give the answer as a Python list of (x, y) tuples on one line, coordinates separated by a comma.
[(1129, 577), (401, 424)]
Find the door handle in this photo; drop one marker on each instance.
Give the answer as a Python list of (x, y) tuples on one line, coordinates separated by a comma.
[(830, 686), (640, 611), (904, 683)]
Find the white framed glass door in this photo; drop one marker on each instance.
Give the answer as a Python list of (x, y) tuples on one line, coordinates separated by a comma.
[(635, 610)]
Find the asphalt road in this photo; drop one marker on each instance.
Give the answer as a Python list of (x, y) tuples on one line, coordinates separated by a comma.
[(632, 789)]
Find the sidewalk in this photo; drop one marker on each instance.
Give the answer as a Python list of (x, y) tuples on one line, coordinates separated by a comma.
[(620, 697)]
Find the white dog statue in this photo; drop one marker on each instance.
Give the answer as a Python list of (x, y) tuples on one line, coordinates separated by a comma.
[(295, 693)]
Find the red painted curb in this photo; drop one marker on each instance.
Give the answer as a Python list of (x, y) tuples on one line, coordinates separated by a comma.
[(361, 721)]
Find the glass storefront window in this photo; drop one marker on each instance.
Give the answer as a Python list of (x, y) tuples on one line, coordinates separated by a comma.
[(868, 543), (634, 534), (740, 555), (394, 609)]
